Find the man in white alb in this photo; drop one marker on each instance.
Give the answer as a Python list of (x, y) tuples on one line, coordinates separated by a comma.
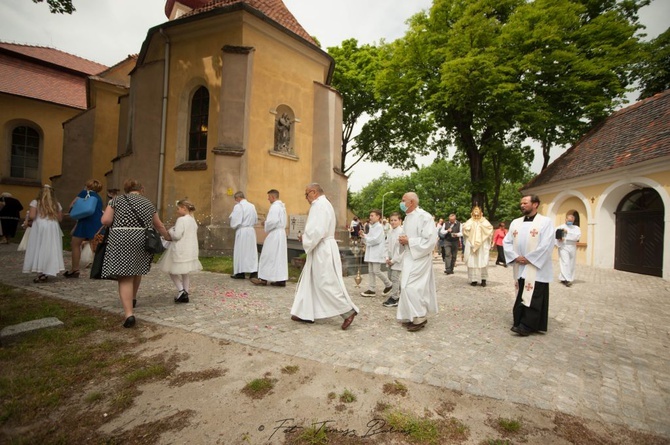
[(245, 254), (321, 292), (273, 265), (567, 249)]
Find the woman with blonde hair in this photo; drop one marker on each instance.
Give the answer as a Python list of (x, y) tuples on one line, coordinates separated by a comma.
[(44, 253), (87, 227), (126, 259)]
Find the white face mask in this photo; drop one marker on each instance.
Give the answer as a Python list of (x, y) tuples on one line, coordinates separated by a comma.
[(403, 207), (569, 223)]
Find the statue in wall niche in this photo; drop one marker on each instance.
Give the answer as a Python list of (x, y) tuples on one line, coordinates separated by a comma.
[(283, 134)]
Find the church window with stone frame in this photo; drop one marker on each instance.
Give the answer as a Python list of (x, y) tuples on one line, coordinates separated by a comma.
[(197, 136), (25, 154)]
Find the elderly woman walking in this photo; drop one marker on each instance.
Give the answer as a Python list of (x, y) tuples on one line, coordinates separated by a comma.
[(126, 259)]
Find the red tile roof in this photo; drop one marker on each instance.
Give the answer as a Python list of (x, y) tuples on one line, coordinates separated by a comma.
[(638, 133), (55, 57), (23, 78), (275, 10)]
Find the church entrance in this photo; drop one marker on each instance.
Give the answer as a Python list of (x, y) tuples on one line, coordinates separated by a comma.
[(639, 233)]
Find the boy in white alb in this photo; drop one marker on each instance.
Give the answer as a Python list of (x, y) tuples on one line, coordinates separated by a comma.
[(375, 250), (394, 259)]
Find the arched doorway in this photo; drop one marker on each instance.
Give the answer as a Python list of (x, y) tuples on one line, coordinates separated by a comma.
[(639, 233)]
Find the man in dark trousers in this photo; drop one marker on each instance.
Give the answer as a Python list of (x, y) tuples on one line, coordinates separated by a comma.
[(451, 231)]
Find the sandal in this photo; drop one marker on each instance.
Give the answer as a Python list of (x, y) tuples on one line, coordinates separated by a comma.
[(41, 279), (73, 274)]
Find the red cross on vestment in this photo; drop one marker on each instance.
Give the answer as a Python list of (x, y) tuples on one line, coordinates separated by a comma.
[(534, 232), (515, 233), (529, 287)]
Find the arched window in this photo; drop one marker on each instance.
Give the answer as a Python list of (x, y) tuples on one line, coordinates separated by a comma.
[(25, 153), (284, 130), (197, 140)]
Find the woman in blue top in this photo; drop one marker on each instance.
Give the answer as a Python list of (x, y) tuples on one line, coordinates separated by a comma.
[(86, 228)]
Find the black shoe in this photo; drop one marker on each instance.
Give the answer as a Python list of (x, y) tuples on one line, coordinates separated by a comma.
[(390, 302), (253, 275), (417, 327), (182, 298), (238, 276), (130, 322), (483, 283), (449, 272), (521, 330), (474, 283), (278, 283), (387, 290)]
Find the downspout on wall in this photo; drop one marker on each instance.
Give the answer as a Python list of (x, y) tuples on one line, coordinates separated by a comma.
[(161, 156)]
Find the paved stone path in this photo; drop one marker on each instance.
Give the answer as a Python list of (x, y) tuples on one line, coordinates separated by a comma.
[(606, 355)]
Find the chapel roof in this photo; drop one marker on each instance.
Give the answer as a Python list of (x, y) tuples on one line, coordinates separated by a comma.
[(275, 10), (45, 74), (637, 133)]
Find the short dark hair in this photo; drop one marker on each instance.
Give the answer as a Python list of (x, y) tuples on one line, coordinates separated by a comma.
[(377, 212), (396, 214), (274, 193), (534, 198)]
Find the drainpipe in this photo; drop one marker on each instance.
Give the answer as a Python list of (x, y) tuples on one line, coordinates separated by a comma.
[(161, 157)]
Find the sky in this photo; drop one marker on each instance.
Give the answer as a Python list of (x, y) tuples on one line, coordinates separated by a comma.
[(107, 31)]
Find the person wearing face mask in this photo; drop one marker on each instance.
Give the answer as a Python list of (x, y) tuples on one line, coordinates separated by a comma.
[(567, 236), (418, 296)]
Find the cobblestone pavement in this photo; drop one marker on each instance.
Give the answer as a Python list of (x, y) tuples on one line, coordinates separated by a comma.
[(606, 355)]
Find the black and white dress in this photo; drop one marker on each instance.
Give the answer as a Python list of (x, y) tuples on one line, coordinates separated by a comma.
[(125, 254)]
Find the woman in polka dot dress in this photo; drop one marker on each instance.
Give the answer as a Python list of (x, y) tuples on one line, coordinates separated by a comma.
[(125, 259)]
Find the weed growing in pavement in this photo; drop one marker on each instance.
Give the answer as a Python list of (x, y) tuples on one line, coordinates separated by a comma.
[(347, 397), (509, 425), (290, 370), (395, 388), (259, 388)]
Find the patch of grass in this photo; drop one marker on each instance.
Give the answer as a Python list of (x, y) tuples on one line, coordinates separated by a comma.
[(196, 376), (496, 442), (259, 388), (218, 264), (290, 370), (224, 264), (347, 397), (94, 397), (313, 435), (509, 425), (151, 372), (426, 431), (395, 388)]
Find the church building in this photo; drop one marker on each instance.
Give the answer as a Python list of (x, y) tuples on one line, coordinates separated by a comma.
[(225, 96)]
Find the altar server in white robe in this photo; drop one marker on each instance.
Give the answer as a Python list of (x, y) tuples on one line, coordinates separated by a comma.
[(321, 292), (245, 253), (418, 297), (528, 246), (567, 249), (273, 265)]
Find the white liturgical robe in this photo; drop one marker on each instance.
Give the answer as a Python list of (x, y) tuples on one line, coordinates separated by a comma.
[(273, 265), (245, 253), (539, 256), (321, 292), (417, 281), (567, 251)]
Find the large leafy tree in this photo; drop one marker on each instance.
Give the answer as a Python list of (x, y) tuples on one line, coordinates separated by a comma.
[(59, 6), (572, 61), (364, 134), (654, 69), (482, 75)]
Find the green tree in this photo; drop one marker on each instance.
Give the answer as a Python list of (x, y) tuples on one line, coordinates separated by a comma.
[(654, 69), (573, 61), (59, 6), (465, 72), (369, 132)]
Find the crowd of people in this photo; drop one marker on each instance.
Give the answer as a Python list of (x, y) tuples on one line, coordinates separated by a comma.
[(405, 249)]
